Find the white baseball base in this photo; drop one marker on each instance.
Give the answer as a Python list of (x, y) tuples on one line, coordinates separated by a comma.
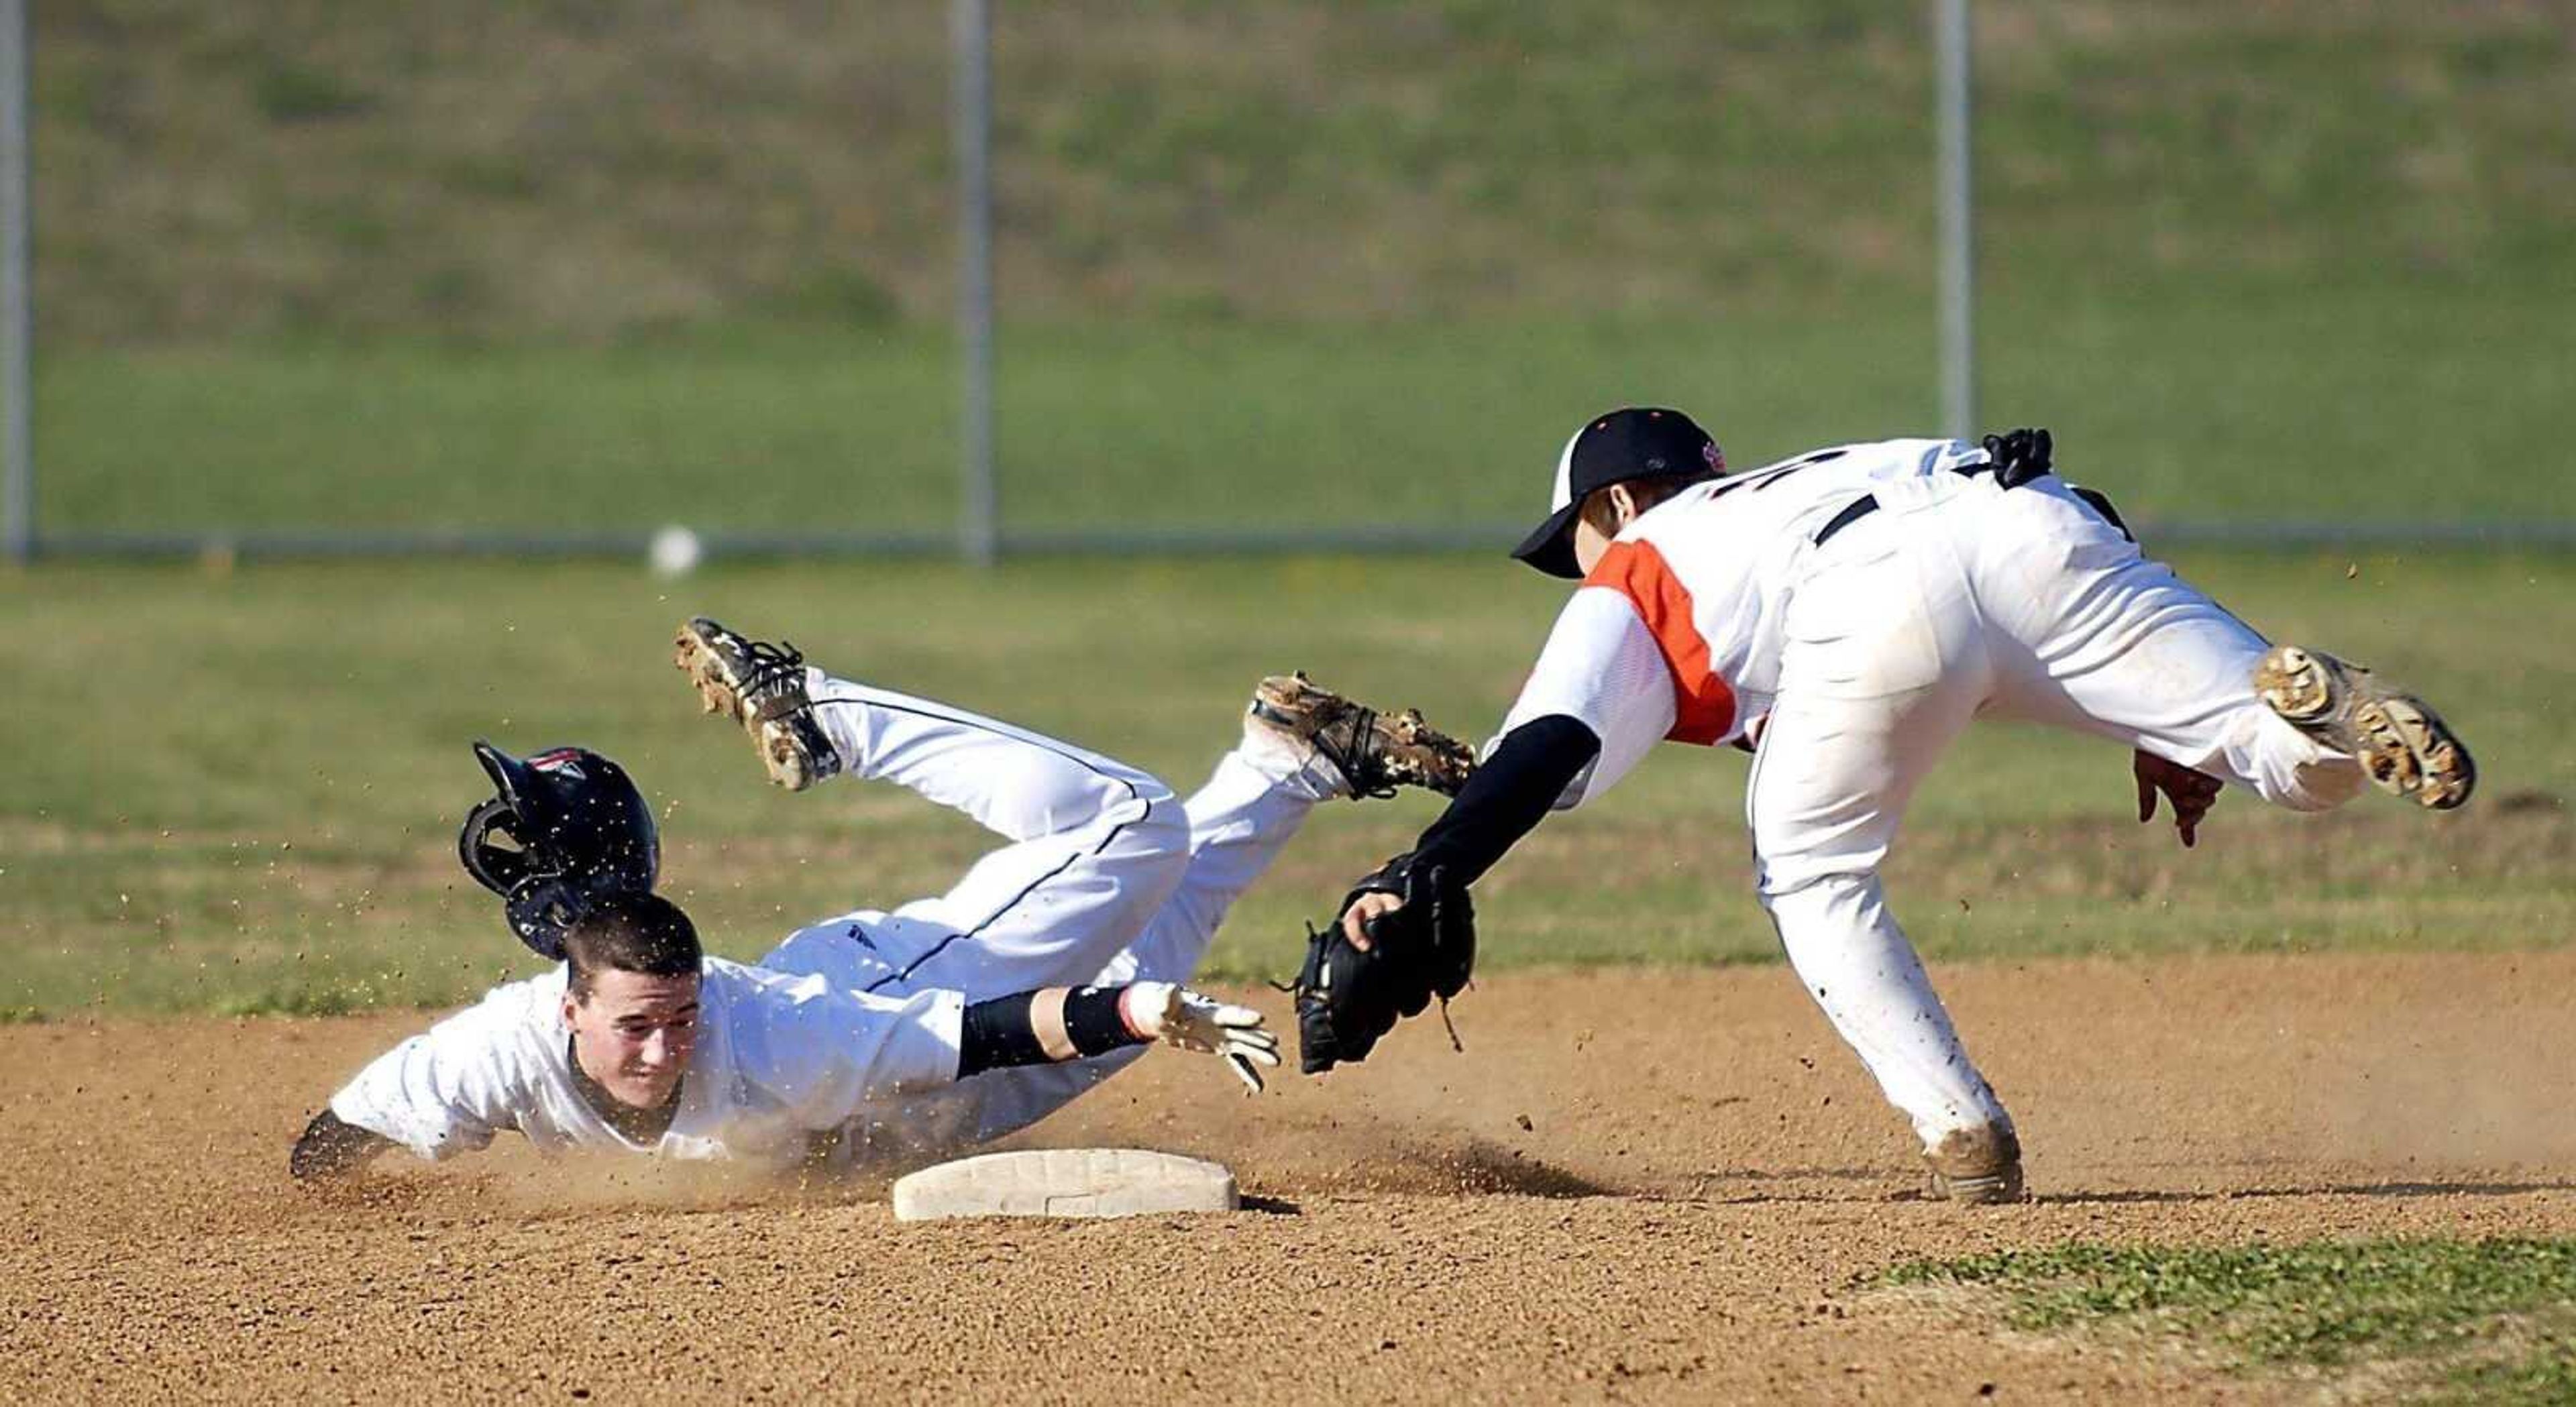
[(1065, 1182)]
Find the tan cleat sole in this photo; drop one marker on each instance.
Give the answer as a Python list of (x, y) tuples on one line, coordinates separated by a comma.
[(706, 675), (1978, 1167), (782, 731), (2402, 744)]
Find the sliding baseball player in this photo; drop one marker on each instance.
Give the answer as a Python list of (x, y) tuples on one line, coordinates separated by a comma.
[(875, 1036)]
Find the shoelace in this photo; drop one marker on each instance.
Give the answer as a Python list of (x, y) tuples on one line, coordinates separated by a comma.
[(771, 666)]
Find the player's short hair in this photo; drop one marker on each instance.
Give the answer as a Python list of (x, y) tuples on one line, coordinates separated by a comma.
[(643, 933), (1651, 490)]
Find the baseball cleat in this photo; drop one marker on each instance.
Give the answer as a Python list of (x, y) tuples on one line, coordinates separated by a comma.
[(2400, 742), (761, 686), (1976, 1167), (1375, 752)]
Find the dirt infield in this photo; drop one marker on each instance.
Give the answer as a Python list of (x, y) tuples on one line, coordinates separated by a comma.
[(1634, 1186)]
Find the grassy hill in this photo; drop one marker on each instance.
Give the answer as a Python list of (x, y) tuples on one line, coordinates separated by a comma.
[(574, 169)]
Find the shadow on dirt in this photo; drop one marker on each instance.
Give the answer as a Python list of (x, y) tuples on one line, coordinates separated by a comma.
[(2411, 1189), (2462, 1188)]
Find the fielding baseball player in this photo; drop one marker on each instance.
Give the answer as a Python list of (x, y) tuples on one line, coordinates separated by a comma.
[(1843, 615), (871, 1037)]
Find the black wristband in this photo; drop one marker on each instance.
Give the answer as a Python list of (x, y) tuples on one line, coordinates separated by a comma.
[(1042, 1027), (996, 1034), (1093, 1021)]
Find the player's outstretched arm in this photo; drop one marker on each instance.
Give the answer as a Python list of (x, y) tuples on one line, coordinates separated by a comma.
[(1407, 933), (1506, 799), (1073, 1023), (331, 1148)]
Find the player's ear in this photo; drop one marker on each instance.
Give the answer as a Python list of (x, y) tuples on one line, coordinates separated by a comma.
[(1623, 506)]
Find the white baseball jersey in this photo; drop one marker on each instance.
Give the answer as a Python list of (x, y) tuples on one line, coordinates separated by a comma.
[(1954, 599), (1676, 633), (779, 1058)]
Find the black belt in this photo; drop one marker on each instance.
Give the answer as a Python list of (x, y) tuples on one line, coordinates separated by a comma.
[(1853, 512), (1867, 504)]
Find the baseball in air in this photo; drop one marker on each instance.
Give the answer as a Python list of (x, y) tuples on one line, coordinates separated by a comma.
[(676, 552)]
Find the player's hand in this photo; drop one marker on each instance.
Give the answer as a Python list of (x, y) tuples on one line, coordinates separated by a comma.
[(1365, 911), (2192, 793), (1177, 1016)]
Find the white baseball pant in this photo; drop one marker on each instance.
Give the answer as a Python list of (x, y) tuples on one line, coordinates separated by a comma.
[(1106, 879), (1959, 598)]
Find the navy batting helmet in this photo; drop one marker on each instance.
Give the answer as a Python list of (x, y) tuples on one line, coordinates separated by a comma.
[(577, 829)]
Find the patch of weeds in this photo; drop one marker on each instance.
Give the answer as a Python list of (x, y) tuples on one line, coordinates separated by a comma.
[(291, 92), (2546, 1376), (507, 176), (2325, 1304), (838, 295), (453, 290), (21, 1015)]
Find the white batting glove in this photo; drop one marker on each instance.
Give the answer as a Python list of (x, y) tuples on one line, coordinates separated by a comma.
[(1177, 1016)]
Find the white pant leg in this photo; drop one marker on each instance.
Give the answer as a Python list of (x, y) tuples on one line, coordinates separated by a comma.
[(1098, 847), (2090, 634), (1019, 784), (1884, 666), (1239, 821)]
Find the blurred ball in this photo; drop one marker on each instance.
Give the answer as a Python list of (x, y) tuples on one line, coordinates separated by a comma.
[(676, 552)]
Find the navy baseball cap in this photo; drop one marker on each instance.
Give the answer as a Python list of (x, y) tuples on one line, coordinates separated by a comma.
[(1639, 442)]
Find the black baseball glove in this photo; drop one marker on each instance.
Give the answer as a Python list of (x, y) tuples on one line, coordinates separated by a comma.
[(1347, 998)]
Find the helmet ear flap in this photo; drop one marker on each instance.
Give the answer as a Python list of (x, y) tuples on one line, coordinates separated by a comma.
[(500, 869), (540, 903), (541, 913)]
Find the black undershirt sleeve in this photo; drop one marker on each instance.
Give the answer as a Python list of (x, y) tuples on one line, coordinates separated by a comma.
[(1507, 797), (333, 1148), (1003, 1032)]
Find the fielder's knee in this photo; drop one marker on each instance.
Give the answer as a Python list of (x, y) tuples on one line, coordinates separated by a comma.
[(1834, 898)]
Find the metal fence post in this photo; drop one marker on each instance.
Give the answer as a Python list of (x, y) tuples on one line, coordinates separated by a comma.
[(17, 297), (1958, 230), (979, 510)]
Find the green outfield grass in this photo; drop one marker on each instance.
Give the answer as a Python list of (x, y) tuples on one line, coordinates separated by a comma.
[(2441, 1321), (239, 791), (2393, 404)]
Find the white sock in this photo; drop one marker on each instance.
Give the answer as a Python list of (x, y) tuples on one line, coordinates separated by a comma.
[(1295, 766)]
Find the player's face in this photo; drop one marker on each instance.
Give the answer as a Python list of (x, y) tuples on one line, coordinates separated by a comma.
[(1589, 543), (1604, 515), (634, 1032)]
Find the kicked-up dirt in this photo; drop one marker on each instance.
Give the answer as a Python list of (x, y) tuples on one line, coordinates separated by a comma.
[(1634, 1185)]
